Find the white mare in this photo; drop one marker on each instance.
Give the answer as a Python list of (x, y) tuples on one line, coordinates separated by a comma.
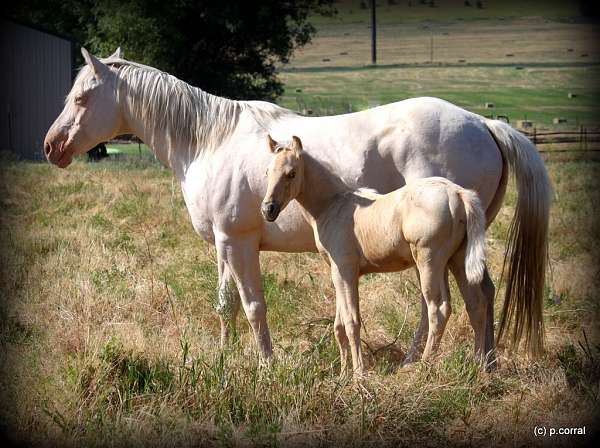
[(216, 148), (422, 224)]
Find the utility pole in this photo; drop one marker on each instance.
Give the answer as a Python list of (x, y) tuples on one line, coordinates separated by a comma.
[(431, 48), (373, 32)]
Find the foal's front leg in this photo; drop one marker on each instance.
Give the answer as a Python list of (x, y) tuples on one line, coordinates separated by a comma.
[(345, 280), (341, 338)]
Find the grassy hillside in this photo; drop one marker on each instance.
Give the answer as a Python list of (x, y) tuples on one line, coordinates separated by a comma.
[(109, 335), (535, 93), (523, 57)]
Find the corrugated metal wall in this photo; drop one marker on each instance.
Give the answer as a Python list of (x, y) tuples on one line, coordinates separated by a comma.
[(35, 77)]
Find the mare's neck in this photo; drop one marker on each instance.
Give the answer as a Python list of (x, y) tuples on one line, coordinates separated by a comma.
[(319, 187), (180, 123)]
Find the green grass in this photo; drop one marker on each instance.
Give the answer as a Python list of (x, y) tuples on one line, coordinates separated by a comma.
[(538, 94), (130, 149)]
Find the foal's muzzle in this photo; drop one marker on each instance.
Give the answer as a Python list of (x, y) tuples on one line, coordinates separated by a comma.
[(270, 210)]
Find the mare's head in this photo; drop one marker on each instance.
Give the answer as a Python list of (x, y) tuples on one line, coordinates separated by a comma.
[(91, 114), (284, 176)]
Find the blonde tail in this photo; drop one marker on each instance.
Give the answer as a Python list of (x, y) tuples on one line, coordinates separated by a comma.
[(527, 243), (475, 253)]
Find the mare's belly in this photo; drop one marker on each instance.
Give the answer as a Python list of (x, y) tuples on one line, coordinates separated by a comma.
[(289, 233)]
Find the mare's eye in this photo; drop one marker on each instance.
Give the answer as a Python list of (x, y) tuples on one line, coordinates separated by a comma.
[(291, 174), (79, 99)]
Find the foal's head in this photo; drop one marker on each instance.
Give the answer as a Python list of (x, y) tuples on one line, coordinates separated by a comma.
[(285, 174)]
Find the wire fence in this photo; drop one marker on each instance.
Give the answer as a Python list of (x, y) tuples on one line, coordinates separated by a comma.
[(575, 141), (583, 137)]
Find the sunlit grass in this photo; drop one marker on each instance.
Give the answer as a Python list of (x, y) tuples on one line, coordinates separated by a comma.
[(108, 324)]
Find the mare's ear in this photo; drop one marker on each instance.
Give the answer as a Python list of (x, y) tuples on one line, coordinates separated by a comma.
[(118, 54), (272, 144), (97, 67), (296, 144)]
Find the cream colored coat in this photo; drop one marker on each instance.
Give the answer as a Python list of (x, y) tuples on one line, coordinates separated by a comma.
[(423, 223)]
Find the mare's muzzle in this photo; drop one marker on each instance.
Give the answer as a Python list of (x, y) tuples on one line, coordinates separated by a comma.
[(270, 210)]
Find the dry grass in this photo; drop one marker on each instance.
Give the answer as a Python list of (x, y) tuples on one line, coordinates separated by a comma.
[(527, 40), (109, 336)]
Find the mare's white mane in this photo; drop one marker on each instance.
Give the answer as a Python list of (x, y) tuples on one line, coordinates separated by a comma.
[(195, 119)]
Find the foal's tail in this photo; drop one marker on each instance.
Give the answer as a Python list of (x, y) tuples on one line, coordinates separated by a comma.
[(475, 256)]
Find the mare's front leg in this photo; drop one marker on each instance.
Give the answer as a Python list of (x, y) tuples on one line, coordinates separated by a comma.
[(345, 280), (241, 257), (229, 302)]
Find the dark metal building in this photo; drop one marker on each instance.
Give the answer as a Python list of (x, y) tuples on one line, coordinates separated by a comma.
[(35, 75)]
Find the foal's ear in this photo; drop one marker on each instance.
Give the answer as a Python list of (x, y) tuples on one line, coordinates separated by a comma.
[(97, 67), (272, 144), (296, 144)]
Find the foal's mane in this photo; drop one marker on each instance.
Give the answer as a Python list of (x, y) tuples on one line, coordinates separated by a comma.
[(196, 119)]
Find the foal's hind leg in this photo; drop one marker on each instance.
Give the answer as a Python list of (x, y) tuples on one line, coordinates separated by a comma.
[(434, 285), (420, 339), (476, 304)]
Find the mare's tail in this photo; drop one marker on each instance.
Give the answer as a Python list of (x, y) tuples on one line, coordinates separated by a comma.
[(527, 242)]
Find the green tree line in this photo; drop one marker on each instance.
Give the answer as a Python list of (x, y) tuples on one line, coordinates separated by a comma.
[(227, 47)]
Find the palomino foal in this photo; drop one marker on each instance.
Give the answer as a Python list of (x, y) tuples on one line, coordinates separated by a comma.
[(359, 231)]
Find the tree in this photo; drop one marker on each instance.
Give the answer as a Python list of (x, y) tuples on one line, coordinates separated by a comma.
[(226, 47)]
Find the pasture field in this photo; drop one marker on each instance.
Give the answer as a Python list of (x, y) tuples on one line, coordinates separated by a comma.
[(109, 335), (524, 57), (534, 93)]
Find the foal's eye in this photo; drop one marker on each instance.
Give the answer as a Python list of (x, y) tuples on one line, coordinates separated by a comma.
[(291, 174)]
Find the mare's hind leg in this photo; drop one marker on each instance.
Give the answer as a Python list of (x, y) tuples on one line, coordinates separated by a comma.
[(477, 305), (434, 285), (489, 291), (341, 338)]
